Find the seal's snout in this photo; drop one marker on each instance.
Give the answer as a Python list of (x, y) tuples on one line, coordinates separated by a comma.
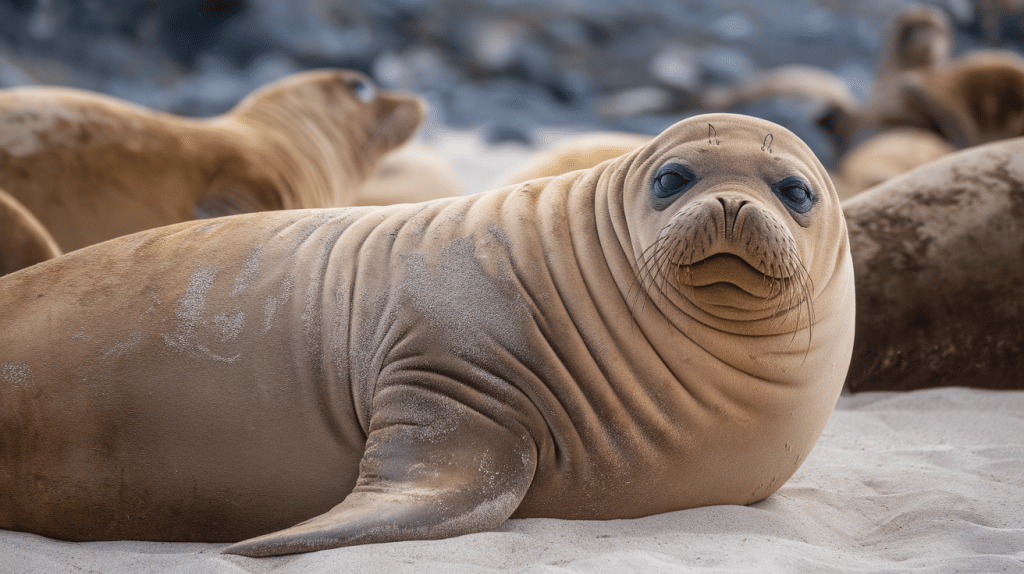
[(725, 224), (729, 250)]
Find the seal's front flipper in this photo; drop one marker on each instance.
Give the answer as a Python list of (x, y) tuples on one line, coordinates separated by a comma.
[(419, 481)]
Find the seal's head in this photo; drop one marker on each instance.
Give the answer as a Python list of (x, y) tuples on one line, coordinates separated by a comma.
[(308, 140), (731, 250), (735, 223), (920, 37), (334, 104)]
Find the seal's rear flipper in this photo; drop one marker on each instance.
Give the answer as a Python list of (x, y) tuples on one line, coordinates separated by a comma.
[(418, 482)]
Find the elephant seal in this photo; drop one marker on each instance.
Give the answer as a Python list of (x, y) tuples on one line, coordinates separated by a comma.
[(93, 167), (23, 240), (670, 329), (971, 100), (920, 38), (580, 152), (413, 173), (884, 156), (940, 285)]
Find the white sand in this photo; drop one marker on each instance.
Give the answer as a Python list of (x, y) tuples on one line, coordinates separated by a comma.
[(929, 481)]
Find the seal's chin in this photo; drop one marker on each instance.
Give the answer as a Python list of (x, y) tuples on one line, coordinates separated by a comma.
[(727, 280)]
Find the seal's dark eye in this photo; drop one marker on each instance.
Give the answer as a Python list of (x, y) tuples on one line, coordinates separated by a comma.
[(363, 90), (795, 193), (672, 179)]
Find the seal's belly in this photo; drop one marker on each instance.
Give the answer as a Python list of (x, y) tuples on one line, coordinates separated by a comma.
[(165, 389)]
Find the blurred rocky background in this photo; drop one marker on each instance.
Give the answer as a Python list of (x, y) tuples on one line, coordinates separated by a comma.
[(506, 68)]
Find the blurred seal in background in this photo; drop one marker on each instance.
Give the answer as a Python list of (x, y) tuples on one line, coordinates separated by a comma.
[(92, 167), (23, 240), (940, 281)]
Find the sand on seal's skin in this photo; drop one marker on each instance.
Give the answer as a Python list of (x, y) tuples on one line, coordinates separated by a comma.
[(928, 481)]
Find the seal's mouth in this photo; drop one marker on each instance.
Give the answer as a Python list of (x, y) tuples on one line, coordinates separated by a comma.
[(729, 280)]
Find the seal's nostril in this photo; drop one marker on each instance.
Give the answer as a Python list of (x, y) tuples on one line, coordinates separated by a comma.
[(730, 210)]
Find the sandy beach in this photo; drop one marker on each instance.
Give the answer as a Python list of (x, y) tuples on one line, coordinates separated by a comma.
[(927, 481)]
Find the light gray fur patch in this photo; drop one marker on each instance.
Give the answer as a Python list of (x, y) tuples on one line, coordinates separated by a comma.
[(15, 373), (206, 351), (230, 325), (249, 270), (190, 310), (471, 296), (272, 303), (209, 228)]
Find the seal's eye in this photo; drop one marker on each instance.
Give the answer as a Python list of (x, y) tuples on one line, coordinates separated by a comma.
[(795, 193), (363, 90), (672, 179)]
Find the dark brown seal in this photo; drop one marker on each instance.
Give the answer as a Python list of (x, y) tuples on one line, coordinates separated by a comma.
[(939, 260)]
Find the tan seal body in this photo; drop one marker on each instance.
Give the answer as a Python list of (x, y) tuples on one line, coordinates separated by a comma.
[(23, 240), (581, 152), (885, 155), (940, 284), (574, 347), (823, 89), (412, 173), (93, 167)]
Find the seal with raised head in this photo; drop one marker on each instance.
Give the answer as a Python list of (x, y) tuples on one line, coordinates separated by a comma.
[(919, 38), (92, 167), (668, 330), (940, 284), (974, 99), (23, 240)]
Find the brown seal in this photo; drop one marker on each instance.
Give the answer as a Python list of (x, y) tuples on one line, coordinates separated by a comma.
[(919, 38), (92, 167), (974, 99), (668, 330), (940, 284), (23, 240)]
